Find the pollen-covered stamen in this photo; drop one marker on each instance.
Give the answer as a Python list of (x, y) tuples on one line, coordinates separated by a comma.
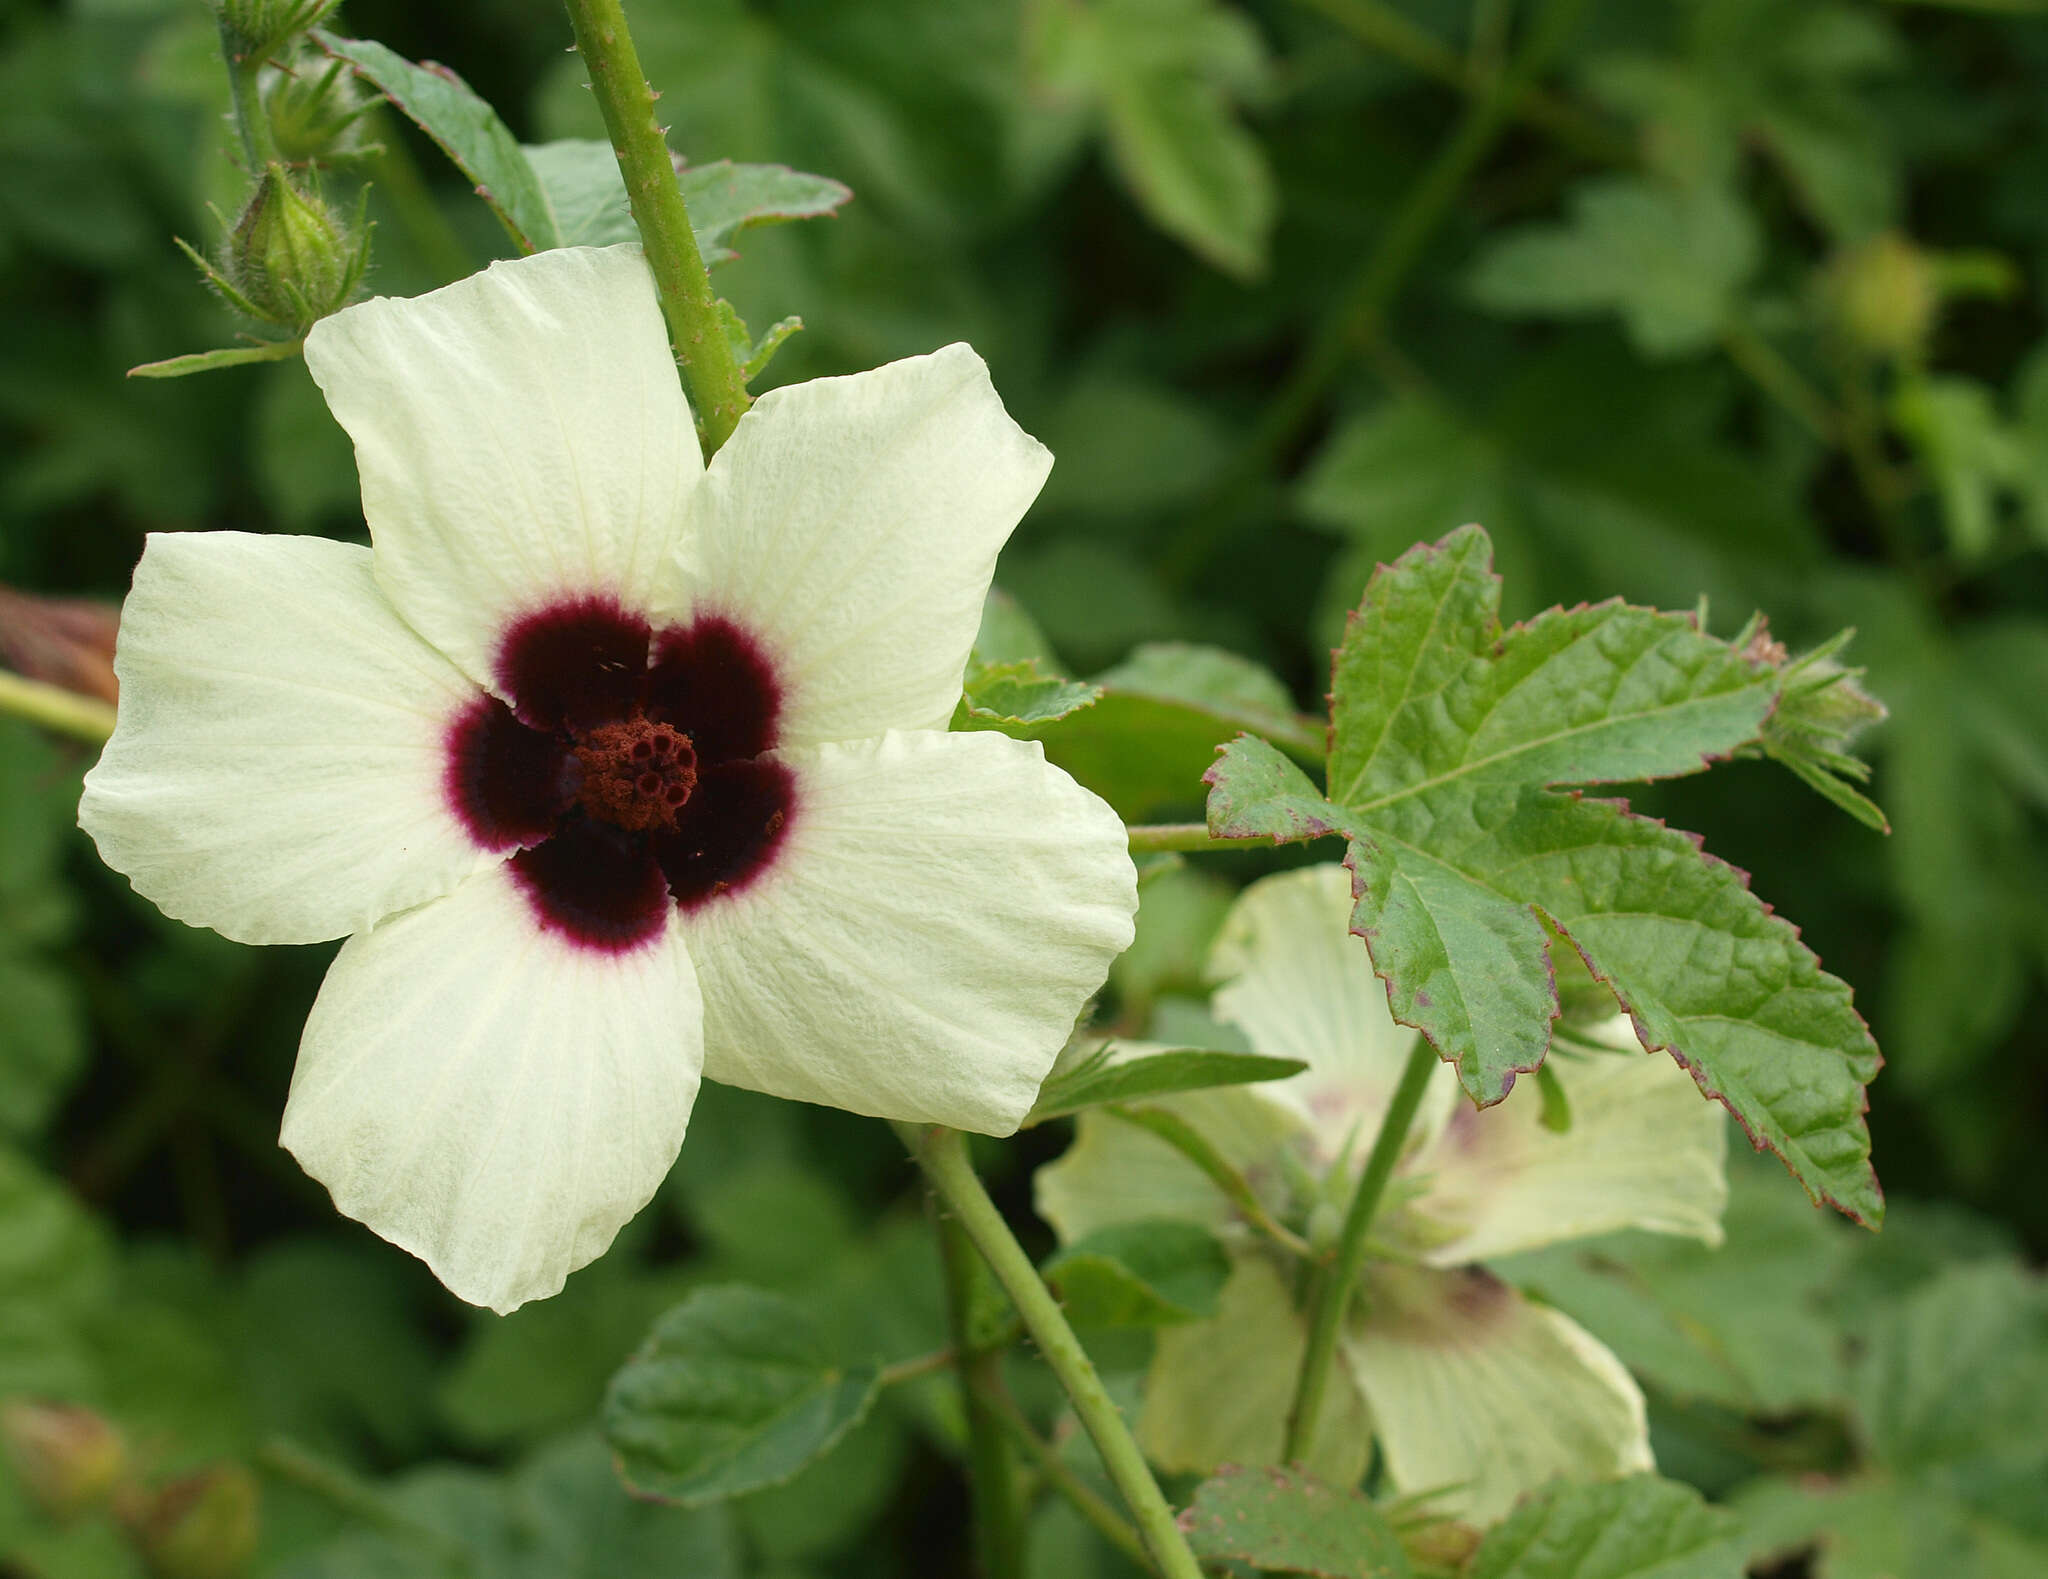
[(637, 773)]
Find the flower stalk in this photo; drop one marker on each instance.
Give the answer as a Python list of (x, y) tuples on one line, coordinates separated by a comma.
[(1333, 1290), (998, 1510), (942, 1153), (718, 390), (68, 713)]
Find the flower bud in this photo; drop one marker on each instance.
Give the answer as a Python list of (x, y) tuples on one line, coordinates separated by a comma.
[(316, 108), (289, 259), (200, 1527), (1884, 296), (67, 642), (68, 1459), (257, 28)]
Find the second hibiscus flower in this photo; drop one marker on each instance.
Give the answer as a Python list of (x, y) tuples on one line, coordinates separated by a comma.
[(617, 767)]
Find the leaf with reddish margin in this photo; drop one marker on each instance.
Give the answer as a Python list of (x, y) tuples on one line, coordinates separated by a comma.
[(467, 130), (1286, 1521), (1451, 740)]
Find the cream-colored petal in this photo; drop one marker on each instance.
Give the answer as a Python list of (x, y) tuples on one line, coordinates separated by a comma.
[(939, 911), (522, 437), (1116, 1172), (1643, 1151), (1300, 985), (852, 525), (490, 1097), (275, 772), (1473, 1387), (1219, 1390)]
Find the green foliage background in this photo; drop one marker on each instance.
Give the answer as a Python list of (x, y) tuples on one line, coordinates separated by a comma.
[(1748, 303)]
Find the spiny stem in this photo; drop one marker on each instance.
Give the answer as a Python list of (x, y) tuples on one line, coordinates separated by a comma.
[(83, 717), (998, 1510), (1333, 1290), (1059, 1474), (717, 389), (942, 1153)]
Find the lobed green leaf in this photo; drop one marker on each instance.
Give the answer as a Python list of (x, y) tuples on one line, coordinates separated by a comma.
[(1450, 739)]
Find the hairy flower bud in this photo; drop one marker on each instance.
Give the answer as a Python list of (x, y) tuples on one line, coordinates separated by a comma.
[(67, 1458), (1884, 296), (316, 108), (257, 28), (200, 1527), (289, 260)]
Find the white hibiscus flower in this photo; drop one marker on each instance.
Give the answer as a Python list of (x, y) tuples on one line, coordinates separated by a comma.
[(616, 767), (1465, 1383)]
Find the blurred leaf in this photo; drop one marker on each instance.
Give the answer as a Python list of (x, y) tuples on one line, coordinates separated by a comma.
[(1281, 1520), (1745, 1326), (580, 180), (466, 129), (1179, 912), (1162, 74), (734, 1391), (1952, 1389), (544, 1368), (1095, 1080), (1147, 1274), (1015, 697), (1638, 1528), (1162, 713), (1670, 263), (42, 1042), (1458, 839), (834, 1501), (331, 1350), (1955, 426), (1875, 1527)]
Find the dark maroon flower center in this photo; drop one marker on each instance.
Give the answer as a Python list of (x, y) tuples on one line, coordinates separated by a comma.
[(637, 774), (626, 774)]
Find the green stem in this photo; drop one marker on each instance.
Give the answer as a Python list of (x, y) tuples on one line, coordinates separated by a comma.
[(998, 1509), (1155, 838), (1371, 292), (341, 1490), (84, 717), (1184, 1138), (942, 1153), (1379, 26), (1059, 1474), (1333, 1290), (717, 389), (1783, 382), (258, 146)]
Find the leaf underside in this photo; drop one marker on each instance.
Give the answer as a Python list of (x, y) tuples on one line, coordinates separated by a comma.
[(1451, 740)]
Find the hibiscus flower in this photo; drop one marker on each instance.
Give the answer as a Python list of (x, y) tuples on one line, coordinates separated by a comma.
[(612, 767), (1471, 1389)]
